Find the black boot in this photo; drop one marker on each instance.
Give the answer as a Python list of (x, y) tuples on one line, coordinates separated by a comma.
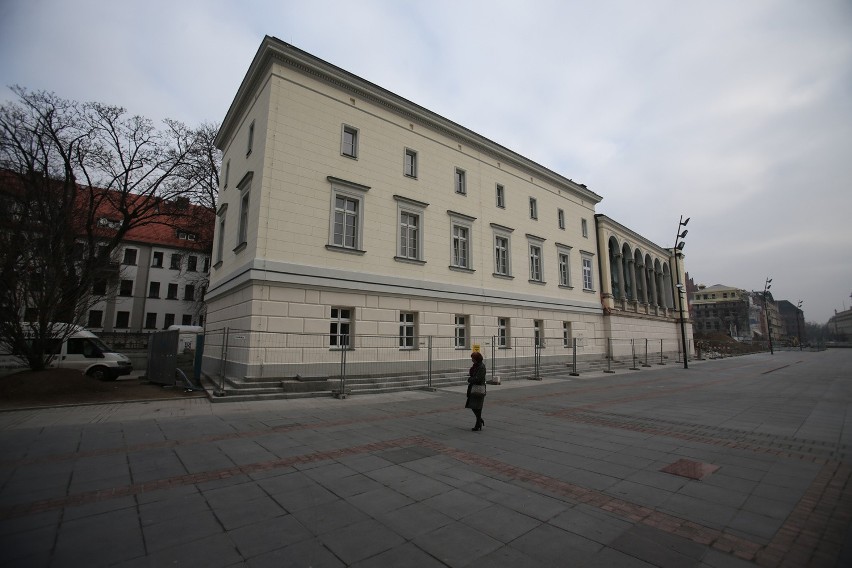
[(478, 426)]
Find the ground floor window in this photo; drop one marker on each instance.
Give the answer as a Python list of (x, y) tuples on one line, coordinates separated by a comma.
[(566, 334), (340, 328), (407, 330), (461, 332), (503, 332)]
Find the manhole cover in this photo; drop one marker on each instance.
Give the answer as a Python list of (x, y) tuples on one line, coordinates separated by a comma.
[(690, 469)]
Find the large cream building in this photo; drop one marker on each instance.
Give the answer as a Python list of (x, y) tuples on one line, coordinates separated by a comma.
[(348, 211)]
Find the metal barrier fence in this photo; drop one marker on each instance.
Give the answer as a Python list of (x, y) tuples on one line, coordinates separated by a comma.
[(256, 355)]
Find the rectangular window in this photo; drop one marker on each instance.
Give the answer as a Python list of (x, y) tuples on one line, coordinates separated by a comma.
[(535, 263), (186, 319), (461, 186), (96, 318), (175, 261), (340, 328), (560, 218), (130, 256), (151, 320), (501, 196), (154, 290), (538, 332), (250, 144), (189, 293), (461, 332), (192, 263), (172, 292), (501, 255), (206, 264), (408, 235), (410, 168), (99, 287), (566, 334), (503, 332), (169, 321), (227, 173), (588, 283), (242, 236), (407, 331), (461, 247), (126, 288), (584, 227), (564, 273), (122, 320), (220, 245), (533, 208), (349, 144), (157, 260), (346, 222)]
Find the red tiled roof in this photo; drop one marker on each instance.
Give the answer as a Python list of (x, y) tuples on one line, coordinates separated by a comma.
[(161, 228)]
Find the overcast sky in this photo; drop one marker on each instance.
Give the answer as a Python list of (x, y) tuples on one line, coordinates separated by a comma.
[(736, 113)]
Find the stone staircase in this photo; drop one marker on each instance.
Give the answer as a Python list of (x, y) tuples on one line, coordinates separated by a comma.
[(243, 390)]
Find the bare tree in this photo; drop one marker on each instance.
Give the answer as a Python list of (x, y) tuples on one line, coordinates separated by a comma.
[(75, 178)]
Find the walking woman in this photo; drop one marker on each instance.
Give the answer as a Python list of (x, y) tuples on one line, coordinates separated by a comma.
[(476, 389)]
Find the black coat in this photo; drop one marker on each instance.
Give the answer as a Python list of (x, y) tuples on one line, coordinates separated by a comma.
[(478, 378)]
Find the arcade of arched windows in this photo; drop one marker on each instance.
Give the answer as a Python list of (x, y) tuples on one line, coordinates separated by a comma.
[(639, 279)]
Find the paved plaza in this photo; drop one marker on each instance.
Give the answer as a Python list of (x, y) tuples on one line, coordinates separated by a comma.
[(734, 462)]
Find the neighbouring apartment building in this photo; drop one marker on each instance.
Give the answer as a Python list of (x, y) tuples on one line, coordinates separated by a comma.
[(162, 275), (348, 212)]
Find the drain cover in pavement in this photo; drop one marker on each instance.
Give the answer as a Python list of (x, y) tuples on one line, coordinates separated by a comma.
[(690, 469)]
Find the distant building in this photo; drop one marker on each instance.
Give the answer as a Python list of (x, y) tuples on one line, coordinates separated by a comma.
[(725, 309), (841, 323), (162, 273), (793, 322)]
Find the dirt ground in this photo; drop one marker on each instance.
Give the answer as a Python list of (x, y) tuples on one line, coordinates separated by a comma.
[(60, 387)]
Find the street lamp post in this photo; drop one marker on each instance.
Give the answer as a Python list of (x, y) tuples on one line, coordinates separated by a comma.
[(766, 288), (678, 248), (798, 328)]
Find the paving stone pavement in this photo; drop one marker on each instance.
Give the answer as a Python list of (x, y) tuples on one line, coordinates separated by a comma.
[(733, 462)]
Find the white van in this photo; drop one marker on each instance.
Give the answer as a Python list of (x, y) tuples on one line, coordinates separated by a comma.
[(84, 351)]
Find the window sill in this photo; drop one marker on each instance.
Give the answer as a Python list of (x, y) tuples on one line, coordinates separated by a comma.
[(336, 248), (461, 269), (588, 290), (240, 247), (350, 156), (539, 282), (171, 298), (409, 260), (566, 287), (503, 276), (153, 298), (217, 265)]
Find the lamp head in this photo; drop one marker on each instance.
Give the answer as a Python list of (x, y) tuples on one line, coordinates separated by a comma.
[(685, 222), (681, 245)]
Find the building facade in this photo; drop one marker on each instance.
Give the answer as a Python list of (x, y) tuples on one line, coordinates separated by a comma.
[(162, 272), (792, 322), (349, 211)]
